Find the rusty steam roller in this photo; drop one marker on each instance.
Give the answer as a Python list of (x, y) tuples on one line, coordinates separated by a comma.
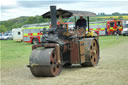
[(62, 47)]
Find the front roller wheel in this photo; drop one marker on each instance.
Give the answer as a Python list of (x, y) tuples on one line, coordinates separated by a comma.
[(43, 63)]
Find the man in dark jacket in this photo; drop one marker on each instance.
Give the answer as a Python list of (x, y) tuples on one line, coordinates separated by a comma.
[(81, 23)]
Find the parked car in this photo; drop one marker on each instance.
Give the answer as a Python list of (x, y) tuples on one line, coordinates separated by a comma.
[(6, 36), (0, 36), (125, 29)]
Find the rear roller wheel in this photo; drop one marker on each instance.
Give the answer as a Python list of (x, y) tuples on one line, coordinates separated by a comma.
[(45, 63), (93, 54)]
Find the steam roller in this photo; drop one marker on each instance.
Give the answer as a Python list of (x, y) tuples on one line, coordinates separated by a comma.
[(61, 47)]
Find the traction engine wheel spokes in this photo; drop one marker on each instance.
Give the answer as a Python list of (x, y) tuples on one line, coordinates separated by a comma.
[(94, 53), (55, 67), (91, 52)]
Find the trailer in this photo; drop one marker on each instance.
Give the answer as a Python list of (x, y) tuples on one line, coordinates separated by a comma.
[(17, 34)]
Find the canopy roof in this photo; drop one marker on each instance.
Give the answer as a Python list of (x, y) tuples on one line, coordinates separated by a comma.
[(69, 13)]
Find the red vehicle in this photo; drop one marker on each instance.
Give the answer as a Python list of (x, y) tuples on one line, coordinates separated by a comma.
[(33, 34), (113, 25)]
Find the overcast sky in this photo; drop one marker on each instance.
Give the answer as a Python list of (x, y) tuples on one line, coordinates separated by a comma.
[(10, 9)]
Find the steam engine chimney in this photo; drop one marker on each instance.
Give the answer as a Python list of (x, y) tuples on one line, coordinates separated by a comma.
[(53, 16)]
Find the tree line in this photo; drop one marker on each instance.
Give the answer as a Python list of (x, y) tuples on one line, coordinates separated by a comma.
[(113, 14), (20, 21)]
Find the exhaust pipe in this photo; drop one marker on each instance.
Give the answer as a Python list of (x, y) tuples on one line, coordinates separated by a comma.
[(53, 17)]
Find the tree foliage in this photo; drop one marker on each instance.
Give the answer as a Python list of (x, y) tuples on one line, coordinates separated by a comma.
[(3, 28), (18, 22), (115, 13)]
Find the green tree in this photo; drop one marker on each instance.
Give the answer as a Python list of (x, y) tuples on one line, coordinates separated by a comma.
[(3, 28), (16, 25), (120, 18), (20, 21), (116, 13)]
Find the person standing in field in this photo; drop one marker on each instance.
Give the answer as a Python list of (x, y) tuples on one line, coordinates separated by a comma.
[(117, 33), (106, 32)]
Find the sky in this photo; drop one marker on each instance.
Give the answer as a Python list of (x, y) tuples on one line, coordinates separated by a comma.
[(10, 9)]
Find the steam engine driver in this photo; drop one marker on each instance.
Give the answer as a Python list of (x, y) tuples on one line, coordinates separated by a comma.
[(81, 23)]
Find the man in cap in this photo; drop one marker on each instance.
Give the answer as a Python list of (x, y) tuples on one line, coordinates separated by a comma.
[(81, 23)]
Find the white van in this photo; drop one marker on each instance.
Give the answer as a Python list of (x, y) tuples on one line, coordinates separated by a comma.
[(17, 34), (125, 29)]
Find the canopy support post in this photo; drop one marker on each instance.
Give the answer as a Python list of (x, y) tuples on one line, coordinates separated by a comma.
[(88, 23), (75, 22)]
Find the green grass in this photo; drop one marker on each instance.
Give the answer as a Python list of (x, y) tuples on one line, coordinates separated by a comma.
[(108, 41), (14, 53)]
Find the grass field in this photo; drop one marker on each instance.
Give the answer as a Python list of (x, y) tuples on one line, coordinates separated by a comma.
[(112, 69), (14, 53)]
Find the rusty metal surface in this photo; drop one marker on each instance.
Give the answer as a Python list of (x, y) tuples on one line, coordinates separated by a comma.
[(46, 45), (82, 51), (91, 47), (74, 50), (94, 52), (57, 48), (35, 46), (87, 48)]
